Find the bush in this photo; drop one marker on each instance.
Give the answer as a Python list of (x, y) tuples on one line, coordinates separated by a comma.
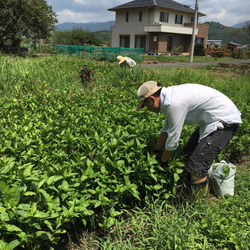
[(199, 49), (217, 53)]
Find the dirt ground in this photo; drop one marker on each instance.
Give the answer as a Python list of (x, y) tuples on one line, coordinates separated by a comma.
[(227, 64)]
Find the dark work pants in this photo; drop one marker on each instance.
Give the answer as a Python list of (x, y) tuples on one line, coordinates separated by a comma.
[(199, 156)]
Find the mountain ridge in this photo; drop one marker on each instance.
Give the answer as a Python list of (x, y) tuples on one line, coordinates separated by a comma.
[(99, 26), (91, 26), (217, 31)]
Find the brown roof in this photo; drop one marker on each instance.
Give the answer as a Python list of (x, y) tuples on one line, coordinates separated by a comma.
[(155, 3)]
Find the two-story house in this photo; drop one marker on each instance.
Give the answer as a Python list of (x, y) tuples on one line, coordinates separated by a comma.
[(156, 26)]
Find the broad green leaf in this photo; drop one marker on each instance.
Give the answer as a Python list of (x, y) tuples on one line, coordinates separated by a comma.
[(89, 170), (3, 187), (97, 204), (12, 228), (11, 197), (65, 185), (44, 193), (3, 245), (29, 193), (120, 163), (23, 213), (60, 231), (44, 235), (33, 209), (3, 214), (40, 214), (13, 244), (113, 142), (135, 193), (157, 187), (5, 169), (37, 226), (84, 177), (111, 222), (153, 176), (54, 179), (90, 163), (49, 225), (127, 181), (41, 182), (27, 169), (176, 177)]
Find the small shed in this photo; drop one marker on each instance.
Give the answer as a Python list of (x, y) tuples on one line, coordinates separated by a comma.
[(213, 44), (231, 45)]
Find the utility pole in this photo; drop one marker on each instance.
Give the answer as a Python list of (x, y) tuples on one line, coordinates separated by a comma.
[(194, 29)]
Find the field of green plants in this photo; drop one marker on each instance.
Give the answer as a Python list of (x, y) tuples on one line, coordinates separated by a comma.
[(76, 162)]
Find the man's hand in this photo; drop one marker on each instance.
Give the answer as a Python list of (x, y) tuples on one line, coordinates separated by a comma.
[(158, 155), (164, 165)]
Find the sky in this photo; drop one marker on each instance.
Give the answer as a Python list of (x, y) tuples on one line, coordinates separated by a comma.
[(226, 12)]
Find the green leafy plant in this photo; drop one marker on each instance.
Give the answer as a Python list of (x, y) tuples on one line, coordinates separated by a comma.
[(71, 152)]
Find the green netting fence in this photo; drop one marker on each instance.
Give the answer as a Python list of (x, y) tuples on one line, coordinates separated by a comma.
[(100, 53)]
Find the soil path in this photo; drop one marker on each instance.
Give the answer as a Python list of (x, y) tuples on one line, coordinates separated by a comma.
[(187, 64)]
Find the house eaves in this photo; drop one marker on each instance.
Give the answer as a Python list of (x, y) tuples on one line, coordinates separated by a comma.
[(168, 4)]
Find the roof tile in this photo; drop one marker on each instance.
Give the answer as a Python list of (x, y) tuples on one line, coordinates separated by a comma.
[(153, 3)]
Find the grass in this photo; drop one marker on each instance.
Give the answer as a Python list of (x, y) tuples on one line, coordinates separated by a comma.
[(178, 224), (159, 224)]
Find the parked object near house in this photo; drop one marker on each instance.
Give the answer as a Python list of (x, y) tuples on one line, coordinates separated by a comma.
[(232, 45), (213, 44), (157, 26)]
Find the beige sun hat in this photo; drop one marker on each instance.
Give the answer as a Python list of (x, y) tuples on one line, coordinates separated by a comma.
[(121, 59), (146, 90)]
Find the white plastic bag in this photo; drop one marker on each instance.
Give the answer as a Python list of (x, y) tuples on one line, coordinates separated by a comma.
[(221, 178)]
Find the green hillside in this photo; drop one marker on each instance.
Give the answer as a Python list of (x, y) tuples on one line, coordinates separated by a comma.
[(218, 31)]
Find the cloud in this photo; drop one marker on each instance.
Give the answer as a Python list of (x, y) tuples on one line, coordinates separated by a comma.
[(226, 12), (83, 17)]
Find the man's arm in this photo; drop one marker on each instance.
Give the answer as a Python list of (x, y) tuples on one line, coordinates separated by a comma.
[(161, 141), (166, 155), (160, 144)]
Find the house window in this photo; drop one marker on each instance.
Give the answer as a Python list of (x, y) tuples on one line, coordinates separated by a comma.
[(127, 17), (140, 42), (164, 17), (190, 19), (200, 40), (178, 19), (140, 16), (125, 41)]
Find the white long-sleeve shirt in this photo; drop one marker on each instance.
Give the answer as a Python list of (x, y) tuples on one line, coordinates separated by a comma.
[(194, 104), (130, 62)]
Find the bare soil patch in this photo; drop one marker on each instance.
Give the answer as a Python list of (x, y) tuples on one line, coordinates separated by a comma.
[(233, 69)]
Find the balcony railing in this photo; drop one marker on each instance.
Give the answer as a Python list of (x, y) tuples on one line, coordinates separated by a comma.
[(166, 28)]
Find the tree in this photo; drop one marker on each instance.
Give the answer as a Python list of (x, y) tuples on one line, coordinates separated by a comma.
[(25, 18), (243, 32), (76, 36)]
